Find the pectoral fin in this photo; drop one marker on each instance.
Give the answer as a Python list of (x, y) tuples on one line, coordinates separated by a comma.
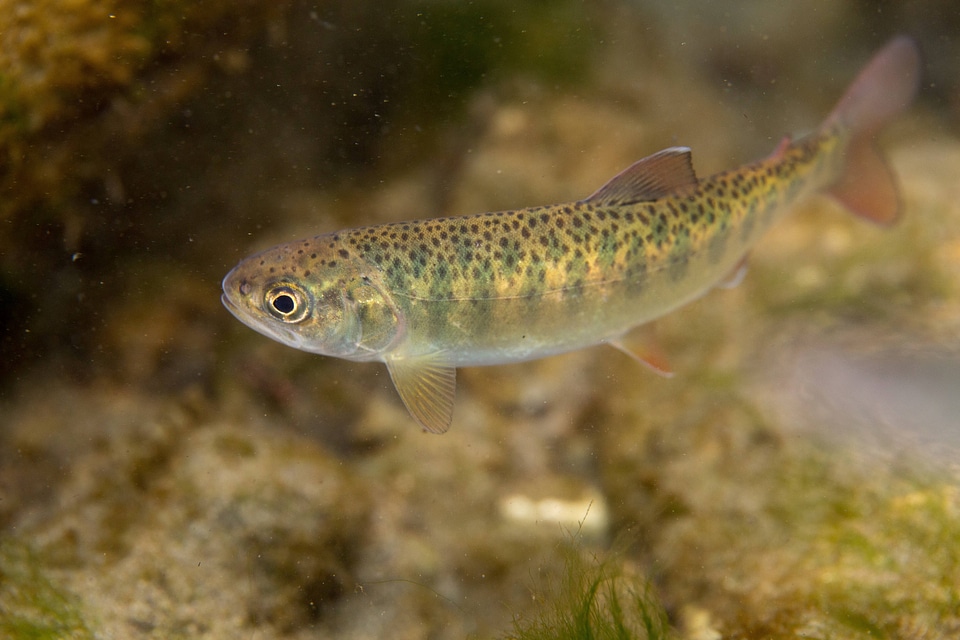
[(426, 385)]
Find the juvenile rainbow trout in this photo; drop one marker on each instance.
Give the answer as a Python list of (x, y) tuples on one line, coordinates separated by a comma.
[(428, 296)]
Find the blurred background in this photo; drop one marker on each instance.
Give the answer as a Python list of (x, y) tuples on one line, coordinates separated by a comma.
[(167, 472)]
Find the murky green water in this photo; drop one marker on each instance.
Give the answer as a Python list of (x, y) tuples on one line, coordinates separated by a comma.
[(166, 472)]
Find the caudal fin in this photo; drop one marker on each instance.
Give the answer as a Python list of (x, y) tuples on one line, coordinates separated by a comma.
[(884, 88)]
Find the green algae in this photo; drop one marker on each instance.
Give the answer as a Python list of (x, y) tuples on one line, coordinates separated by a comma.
[(32, 606), (807, 540), (66, 65), (593, 599)]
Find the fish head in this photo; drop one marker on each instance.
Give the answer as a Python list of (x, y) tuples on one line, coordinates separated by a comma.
[(310, 296)]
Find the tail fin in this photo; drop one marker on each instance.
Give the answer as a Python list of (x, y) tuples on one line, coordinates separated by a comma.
[(884, 88)]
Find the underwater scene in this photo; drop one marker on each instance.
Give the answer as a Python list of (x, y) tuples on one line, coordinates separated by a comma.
[(688, 379)]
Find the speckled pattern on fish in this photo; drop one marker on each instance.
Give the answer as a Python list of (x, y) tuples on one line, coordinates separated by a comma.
[(428, 296)]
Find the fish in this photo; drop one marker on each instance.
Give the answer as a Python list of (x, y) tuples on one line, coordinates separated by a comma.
[(428, 296)]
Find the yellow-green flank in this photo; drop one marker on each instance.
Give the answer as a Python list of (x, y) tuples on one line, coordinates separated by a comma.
[(428, 296)]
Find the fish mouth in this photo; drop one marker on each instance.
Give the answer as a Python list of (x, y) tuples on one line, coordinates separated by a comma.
[(229, 285), (231, 306), (281, 334)]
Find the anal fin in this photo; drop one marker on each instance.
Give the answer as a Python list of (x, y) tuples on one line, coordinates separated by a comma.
[(426, 385), (649, 356), (736, 276)]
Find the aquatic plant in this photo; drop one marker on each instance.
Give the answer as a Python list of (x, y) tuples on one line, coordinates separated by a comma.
[(595, 599), (31, 606)]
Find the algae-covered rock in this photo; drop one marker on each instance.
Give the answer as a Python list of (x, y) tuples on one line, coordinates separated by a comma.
[(162, 514), (79, 79)]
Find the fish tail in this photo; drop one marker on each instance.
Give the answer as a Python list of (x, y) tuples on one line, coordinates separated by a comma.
[(884, 88)]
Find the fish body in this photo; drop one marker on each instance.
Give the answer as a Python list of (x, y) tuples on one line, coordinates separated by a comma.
[(428, 296)]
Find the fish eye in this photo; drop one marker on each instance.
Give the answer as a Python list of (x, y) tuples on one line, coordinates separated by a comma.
[(287, 303)]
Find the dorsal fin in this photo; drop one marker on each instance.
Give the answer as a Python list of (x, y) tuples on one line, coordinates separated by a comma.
[(648, 179)]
